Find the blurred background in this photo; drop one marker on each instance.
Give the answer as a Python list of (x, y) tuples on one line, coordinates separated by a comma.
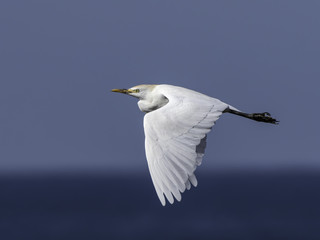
[(72, 163)]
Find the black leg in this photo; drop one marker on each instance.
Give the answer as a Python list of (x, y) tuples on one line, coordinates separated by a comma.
[(260, 117)]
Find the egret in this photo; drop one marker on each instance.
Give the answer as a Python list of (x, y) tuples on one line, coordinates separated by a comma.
[(176, 125)]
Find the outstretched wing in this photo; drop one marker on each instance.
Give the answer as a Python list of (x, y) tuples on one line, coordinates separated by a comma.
[(176, 139)]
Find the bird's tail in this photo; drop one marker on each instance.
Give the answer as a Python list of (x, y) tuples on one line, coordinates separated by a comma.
[(233, 108)]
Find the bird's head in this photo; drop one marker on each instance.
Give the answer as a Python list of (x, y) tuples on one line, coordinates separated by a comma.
[(139, 91)]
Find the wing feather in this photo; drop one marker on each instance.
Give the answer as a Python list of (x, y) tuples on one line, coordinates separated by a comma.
[(176, 139), (164, 184), (174, 182), (188, 185), (156, 185)]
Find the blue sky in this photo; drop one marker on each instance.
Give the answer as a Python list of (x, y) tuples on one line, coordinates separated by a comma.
[(60, 59)]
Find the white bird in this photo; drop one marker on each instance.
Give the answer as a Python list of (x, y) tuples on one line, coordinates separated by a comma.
[(176, 125)]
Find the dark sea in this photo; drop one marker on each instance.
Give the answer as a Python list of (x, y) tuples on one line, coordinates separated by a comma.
[(227, 205)]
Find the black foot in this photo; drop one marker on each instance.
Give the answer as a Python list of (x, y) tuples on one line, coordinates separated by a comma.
[(264, 117)]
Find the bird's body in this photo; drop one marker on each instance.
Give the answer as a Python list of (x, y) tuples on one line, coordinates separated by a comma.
[(176, 127)]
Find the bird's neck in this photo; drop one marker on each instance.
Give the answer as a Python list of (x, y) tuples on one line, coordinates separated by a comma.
[(151, 104)]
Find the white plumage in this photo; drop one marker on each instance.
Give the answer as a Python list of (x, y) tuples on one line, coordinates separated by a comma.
[(176, 127)]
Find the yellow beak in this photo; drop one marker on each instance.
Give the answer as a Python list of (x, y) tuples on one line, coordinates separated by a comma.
[(125, 91)]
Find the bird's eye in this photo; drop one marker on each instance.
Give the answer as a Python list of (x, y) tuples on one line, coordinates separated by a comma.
[(136, 90)]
